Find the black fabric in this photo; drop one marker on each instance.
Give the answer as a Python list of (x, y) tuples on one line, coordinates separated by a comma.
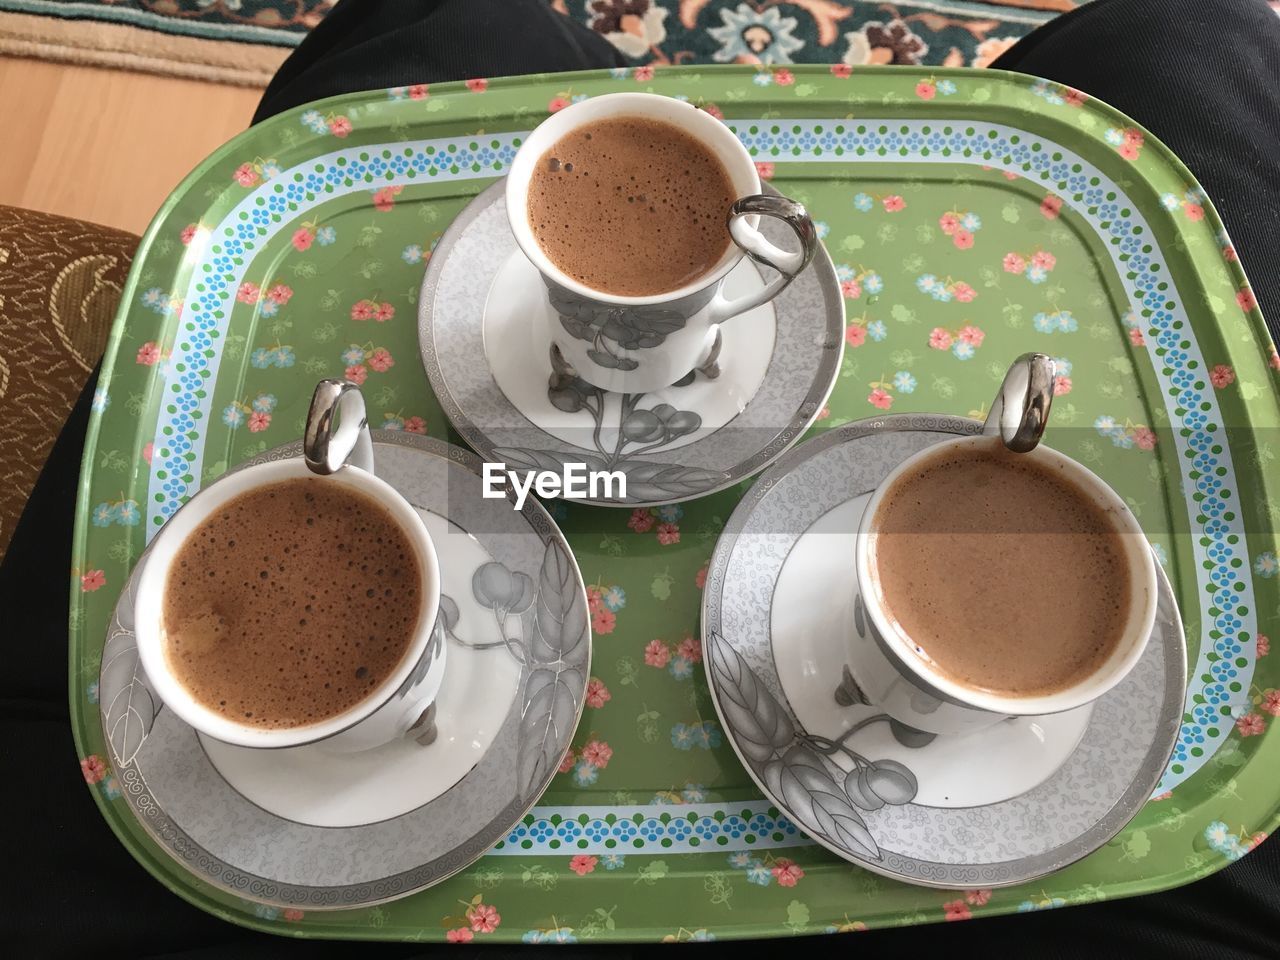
[(1202, 75), (391, 43)]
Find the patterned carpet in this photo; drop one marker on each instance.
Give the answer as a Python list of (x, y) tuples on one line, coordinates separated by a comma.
[(242, 41)]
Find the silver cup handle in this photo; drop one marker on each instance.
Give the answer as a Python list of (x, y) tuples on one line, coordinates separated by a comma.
[(328, 448), (787, 263), (1020, 410)]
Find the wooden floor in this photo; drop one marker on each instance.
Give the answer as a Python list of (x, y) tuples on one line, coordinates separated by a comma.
[(107, 145)]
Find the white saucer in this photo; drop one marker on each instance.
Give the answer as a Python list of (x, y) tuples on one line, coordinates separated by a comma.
[(314, 829), (481, 298), (987, 766), (996, 807), (311, 785)]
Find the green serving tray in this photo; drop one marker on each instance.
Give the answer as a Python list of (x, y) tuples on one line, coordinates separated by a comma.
[(972, 215)]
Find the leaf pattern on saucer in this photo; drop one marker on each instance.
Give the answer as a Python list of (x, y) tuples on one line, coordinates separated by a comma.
[(128, 706), (795, 767), (558, 646), (552, 647)]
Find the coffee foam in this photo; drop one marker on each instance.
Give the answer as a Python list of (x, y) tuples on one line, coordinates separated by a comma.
[(1005, 574), (291, 604), (631, 206)]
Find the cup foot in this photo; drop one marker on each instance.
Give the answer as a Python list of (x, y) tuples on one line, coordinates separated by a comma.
[(424, 729)]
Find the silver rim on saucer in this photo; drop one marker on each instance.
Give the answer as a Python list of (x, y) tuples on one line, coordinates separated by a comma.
[(800, 375), (224, 839), (1106, 779)]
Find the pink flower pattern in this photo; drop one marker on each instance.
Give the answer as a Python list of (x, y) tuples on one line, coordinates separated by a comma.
[(484, 918), (597, 693), (1251, 724), (1145, 438), (956, 910), (1271, 702), (583, 863), (597, 753), (690, 648), (603, 620), (93, 768), (657, 654), (786, 872), (641, 520)]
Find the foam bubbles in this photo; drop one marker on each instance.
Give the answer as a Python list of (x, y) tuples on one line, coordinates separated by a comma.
[(631, 206), (259, 622)]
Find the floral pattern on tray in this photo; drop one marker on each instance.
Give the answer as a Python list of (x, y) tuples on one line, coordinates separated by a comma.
[(936, 322)]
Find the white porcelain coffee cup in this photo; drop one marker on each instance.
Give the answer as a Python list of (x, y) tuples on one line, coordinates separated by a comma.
[(642, 344), (403, 703), (895, 673)]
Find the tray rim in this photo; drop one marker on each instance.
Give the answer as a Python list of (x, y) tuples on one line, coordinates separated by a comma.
[(1254, 319)]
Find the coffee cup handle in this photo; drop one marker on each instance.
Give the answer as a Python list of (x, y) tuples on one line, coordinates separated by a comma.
[(746, 235), (327, 449), (1020, 410)]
